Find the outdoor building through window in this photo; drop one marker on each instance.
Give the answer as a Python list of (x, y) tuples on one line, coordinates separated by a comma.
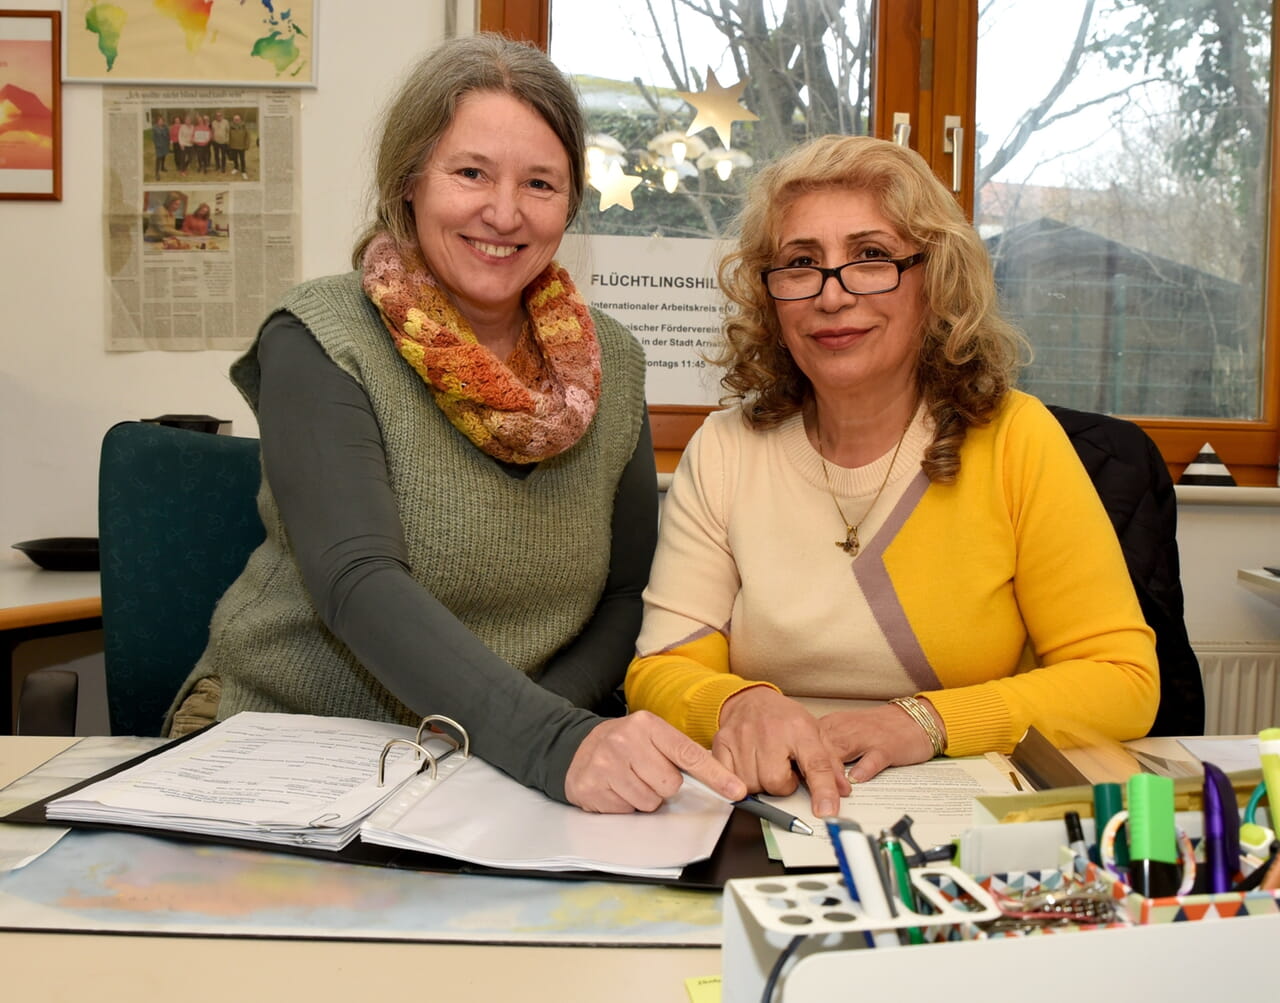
[(1115, 155), (1122, 177)]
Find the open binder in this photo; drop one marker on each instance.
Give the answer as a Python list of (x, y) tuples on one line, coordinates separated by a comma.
[(398, 797)]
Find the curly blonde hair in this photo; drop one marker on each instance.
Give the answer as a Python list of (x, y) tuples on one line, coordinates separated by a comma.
[(969, 353)]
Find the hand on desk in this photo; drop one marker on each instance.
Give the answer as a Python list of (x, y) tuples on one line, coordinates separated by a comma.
[(636, 762), (762, 733), (877, 737)]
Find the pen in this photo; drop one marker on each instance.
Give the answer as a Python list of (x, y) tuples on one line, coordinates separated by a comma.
[(771, 813), (901, 879), (863, 877)]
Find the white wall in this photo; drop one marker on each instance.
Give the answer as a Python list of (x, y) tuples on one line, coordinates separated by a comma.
[(59, 389)]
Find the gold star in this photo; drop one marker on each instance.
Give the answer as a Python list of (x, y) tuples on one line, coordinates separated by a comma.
[(718, 107), (615, 188)]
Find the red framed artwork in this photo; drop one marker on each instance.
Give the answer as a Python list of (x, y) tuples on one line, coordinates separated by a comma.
[(30, 105)]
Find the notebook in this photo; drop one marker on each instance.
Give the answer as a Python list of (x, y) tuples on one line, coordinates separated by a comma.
[(321, 783)]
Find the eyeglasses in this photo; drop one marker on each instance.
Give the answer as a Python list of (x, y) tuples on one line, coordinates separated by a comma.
[(867, 277)]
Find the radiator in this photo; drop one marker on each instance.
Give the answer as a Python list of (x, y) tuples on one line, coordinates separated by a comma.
[(1241, 686)]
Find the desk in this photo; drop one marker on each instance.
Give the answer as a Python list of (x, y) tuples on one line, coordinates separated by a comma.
[(59, 966), (37, 603), (1261, 583)]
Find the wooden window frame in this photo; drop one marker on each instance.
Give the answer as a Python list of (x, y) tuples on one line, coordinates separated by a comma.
[(934, 74)]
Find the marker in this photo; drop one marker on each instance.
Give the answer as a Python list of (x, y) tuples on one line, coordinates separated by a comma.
[(1221, 830), (1153, 839), (863, 878), (771, 813), (1075, 834), (1269, 752)]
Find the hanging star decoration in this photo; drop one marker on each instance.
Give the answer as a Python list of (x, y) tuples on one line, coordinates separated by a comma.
[(718, 107), (615, 188)]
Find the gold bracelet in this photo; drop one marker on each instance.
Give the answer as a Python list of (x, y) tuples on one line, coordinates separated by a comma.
[(923, 718)]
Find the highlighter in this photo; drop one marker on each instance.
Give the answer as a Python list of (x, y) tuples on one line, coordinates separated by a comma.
[(1153, 838), (1269, 752)]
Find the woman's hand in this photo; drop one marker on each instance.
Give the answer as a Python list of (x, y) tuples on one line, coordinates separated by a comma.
[(634, 763), (877, 737), (763, 732)]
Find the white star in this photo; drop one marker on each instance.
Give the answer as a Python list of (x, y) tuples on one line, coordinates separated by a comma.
[(615, 188), (718, 107)]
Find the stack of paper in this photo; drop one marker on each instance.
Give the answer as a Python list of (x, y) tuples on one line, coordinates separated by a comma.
[(275, 778)]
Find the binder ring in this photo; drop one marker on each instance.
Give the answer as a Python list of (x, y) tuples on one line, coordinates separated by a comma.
[(430, 760), (464, 745)]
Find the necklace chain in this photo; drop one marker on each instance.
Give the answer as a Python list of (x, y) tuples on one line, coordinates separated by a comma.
[(850, 544)]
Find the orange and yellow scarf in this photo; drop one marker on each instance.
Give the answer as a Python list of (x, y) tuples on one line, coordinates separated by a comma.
[(531, 407)]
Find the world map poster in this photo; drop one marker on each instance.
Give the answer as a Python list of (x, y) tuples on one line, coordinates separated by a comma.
[(246, 42)]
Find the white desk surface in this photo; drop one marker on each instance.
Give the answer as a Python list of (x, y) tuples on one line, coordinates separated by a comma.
[(58, 966), (1260, 582), (30, 595)]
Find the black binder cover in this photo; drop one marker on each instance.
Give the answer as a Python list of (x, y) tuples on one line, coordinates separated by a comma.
[(740, 852)]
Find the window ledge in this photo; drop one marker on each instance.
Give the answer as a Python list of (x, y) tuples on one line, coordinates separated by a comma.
[(1205, 494), (1187, 494)]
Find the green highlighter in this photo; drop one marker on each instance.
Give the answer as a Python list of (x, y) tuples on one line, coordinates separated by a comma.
[(1153, 837)]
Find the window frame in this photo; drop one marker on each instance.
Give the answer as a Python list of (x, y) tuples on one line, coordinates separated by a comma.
[(932, 73)]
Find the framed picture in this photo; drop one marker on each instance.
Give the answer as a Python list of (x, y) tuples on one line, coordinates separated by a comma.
[(30, 105), (256, 44)]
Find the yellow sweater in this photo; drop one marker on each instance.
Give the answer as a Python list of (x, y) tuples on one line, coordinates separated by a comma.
[(1002, 597)]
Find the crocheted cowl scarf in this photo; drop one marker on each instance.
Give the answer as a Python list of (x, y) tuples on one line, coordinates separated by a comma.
[(533, 406)]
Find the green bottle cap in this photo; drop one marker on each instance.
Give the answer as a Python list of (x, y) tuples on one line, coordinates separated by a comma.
[(1152, 833)]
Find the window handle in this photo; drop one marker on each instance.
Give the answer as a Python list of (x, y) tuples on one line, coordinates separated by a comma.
[(901, 127), (953, 143)]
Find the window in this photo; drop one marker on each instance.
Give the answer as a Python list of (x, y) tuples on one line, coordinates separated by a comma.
[(1118, 162)]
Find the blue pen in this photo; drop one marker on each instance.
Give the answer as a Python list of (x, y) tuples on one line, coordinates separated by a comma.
[(863, 877)]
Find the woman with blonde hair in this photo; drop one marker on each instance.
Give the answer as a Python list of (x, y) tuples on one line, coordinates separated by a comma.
[(880, 518)]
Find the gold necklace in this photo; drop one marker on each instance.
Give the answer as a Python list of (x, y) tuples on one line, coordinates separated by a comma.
[(850, 544)]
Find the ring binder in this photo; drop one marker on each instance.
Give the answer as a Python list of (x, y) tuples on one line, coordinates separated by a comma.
[(424, 725), (429, 759), (466, 739)]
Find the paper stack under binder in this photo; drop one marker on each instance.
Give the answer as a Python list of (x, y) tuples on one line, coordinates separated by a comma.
[(299, 780)]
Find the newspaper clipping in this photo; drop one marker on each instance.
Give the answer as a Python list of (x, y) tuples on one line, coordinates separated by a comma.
[(203, 222)]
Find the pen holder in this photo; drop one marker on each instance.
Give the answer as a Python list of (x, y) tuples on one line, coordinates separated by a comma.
[(762, 916)]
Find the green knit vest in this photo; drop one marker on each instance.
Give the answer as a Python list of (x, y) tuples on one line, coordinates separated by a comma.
[(521, 562)]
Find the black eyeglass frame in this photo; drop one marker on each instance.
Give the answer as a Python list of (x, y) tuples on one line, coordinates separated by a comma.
[(901, 264)]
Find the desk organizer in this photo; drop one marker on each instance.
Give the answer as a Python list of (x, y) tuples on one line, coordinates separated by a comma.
[(762, 915)]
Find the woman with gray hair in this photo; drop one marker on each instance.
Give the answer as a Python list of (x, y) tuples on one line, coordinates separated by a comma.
[(458, 482), (881, 519)]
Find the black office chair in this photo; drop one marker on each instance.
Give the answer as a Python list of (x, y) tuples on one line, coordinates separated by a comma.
[(1135, 487), (177, 520)]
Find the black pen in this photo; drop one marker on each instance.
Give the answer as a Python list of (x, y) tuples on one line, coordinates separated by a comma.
[(777, 816)]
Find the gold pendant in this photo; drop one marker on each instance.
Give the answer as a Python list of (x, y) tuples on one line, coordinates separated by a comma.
[(850, 544)]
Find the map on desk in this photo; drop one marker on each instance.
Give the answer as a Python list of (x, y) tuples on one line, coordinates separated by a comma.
[(117, 882)]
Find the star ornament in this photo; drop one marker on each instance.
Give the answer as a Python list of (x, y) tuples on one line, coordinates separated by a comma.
[(718, 107), (615, 188)]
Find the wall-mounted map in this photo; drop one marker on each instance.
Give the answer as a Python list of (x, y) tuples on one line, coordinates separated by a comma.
[(260, 42)]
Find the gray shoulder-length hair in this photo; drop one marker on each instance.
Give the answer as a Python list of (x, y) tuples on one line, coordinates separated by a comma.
[(425, 106)]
